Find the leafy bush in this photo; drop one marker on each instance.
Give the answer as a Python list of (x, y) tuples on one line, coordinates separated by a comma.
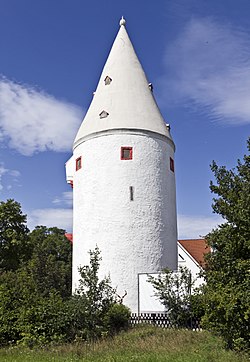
[(174, 291), (31, 317), (117, 318), (94, 304), (36, 305)]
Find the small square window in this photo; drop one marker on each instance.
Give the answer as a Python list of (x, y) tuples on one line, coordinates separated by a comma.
[(126, 153), (78, 163), (171, 164)]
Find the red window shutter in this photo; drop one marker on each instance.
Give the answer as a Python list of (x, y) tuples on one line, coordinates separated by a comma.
[(126, 153), (171, 164), (78, 163)]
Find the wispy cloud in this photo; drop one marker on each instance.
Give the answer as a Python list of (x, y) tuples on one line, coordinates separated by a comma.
[(208, 66), (188, 226), (33, 121), (61, 218), (13, 175), (192, 227), (65, 199)]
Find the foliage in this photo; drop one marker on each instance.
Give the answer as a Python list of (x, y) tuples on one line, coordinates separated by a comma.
[(36, 306), (50, 263), (26, 316), (36, 312), (93, 303), (228, 272), (14, 242), (99, 293), (117, 318), (174, 291)]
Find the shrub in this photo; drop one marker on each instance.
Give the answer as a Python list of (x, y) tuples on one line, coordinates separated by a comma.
[(117, 318)]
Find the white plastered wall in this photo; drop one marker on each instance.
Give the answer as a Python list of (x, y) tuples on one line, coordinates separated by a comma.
[(186, 260), (136, 236), (70, 169)]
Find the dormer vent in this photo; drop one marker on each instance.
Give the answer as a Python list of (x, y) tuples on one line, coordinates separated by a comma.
[(150, 86), (125, 93), (107, 80), (103, 114)]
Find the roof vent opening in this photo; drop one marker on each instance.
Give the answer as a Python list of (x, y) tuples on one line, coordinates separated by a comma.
[(150, 86), (107, 80), (103, 114)]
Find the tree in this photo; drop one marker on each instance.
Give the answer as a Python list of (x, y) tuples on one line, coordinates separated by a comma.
[(31, 317), (36, 306), (15, 247), (227, 294), (26, 316), (50, 263), (92, 300), (174, 291)]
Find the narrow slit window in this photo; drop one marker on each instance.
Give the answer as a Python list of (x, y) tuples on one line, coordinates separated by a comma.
[(131, 193), (171, 164), (78, 163), (126, 153)]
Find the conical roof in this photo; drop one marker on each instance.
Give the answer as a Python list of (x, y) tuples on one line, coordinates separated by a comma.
[(123, 99)]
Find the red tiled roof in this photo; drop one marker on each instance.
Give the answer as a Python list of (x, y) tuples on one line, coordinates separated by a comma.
[(69, 237), (196, 248)]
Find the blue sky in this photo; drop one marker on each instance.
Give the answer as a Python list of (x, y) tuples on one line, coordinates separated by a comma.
[(196, 54)]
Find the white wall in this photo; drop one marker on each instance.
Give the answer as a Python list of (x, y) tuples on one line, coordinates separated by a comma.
[(134, 236), (186, 260), (148, 302)]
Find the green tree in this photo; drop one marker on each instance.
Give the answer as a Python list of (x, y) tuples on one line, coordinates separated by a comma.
[(36, 306), (31, 317), (15, 247), (50, 263), (92, 300), (26, 316), (174, 291), (227, 292)]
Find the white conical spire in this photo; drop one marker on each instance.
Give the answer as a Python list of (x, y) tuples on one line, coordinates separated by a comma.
[(123, 99)]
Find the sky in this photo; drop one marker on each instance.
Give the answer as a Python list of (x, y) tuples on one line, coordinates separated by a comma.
[(196, 54)]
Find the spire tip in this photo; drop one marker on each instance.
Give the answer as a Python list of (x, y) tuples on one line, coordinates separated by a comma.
[(122, 21)]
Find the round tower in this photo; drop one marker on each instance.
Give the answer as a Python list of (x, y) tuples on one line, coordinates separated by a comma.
[(122, 170)]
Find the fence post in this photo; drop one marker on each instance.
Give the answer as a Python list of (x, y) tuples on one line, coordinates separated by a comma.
[(154, 318)]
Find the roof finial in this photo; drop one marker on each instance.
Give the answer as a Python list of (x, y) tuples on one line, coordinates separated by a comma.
[(122, 21)]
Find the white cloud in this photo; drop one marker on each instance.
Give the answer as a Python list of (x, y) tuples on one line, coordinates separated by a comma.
[(3, 171), (33, 121), (193, 227), (189, 227), (61, 218), (14, 175), (208, 65), (65, 199)]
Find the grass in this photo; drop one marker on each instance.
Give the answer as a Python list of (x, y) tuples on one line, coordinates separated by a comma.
[(144, 343)]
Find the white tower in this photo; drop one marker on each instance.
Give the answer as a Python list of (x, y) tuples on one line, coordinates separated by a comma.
[(122, 169)]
